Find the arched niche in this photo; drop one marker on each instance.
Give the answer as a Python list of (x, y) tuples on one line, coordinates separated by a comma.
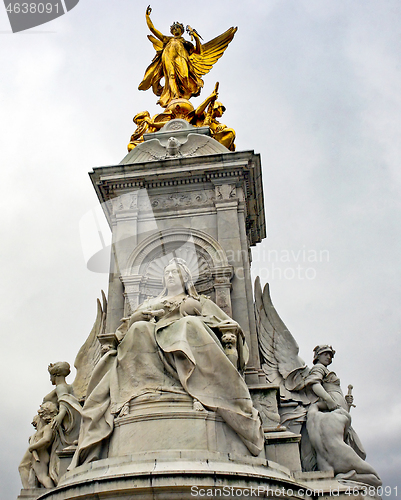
[(205, 257)]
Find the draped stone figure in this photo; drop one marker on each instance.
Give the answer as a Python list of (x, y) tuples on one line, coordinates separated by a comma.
[(57, 427), (171, 344), (66, 423)]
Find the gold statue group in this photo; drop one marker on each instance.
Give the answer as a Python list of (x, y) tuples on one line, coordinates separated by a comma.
[(182, 64)]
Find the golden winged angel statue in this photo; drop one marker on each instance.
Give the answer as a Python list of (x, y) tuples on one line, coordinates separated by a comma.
[(180, 62)]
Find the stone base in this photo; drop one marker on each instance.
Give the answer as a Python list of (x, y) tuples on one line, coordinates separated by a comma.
[(283, 448), (169, 422), (65, 457), (187, 475), (31, 494), (175, 475)]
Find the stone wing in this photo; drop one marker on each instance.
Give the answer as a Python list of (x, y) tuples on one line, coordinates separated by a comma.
[(278, 348), (197, 145), (89, 354), (146, 151), (211, 52)]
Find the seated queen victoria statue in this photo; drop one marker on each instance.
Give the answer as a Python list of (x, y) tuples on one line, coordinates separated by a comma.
[(171, 344)]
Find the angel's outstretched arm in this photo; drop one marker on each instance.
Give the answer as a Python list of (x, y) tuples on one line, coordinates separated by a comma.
[(156, 32), (198, 45), (194, 35)]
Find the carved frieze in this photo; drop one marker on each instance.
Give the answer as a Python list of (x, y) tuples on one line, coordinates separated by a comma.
[(225, 191), (125, 202), (176, 200)]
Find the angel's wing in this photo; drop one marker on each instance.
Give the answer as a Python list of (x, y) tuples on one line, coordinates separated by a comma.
[(211, 52), (278, 348), (157, 44), (89, 354)]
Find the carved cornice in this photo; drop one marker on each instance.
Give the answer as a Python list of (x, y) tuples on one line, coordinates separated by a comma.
[(184, 199), (112, 187), (238, 172)]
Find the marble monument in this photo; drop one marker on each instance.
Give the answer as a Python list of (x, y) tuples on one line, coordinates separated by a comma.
[(189, 383)]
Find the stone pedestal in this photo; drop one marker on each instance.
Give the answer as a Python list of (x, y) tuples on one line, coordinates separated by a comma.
[(31, 494), (65, 457), (186, 475), (265, 400), (160, 423), (283, 448)]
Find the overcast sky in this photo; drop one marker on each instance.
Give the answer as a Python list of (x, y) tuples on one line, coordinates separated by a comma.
[(311, 85)]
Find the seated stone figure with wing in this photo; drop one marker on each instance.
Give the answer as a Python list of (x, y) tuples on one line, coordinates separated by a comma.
[(311, 401)]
